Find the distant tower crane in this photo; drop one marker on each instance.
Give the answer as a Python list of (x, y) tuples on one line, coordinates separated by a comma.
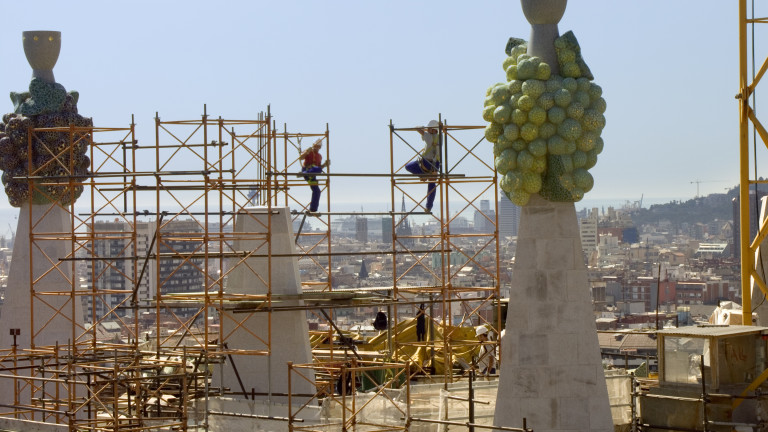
[(699, 182)]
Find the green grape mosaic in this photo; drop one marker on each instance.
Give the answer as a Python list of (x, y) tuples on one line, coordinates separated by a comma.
[(545, 128)]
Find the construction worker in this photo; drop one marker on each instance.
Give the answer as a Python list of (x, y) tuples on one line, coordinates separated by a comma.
[(487, 357), (312, 162), (428, 161), (421, 324)]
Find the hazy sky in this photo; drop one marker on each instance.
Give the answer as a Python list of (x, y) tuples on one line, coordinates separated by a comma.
[(668, 69)]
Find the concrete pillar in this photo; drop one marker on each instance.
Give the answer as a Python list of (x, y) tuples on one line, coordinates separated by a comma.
[(49, 319), (551, 371), (290, 332)]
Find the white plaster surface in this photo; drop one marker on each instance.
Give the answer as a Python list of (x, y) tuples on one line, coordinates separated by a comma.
[(552, 375), (50, 318), (51, 315), (289, 330)]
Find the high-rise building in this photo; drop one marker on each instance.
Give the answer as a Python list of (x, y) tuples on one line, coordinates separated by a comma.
[(588, 231), (111, 275), (509, 217), (112, 278), (178, 273), (386, 229), (361, 229), (485, 218)]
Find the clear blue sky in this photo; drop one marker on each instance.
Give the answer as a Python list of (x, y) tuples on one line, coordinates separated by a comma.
[(668, 69)]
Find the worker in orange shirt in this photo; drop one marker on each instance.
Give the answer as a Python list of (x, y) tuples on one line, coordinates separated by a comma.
[(312, 163)]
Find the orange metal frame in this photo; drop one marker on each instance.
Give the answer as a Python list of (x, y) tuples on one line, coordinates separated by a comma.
[(169, 218), (461, 146), (348, 374)]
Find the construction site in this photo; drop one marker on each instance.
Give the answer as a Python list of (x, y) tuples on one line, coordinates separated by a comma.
[(201, 252), (227, 334)]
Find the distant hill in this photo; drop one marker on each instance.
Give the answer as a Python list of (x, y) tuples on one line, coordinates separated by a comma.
[(697, 210)]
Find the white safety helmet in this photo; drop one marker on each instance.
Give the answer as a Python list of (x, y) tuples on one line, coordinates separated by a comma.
[(481, 330)]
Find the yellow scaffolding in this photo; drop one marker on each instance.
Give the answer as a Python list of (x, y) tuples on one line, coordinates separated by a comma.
[(442, 255), (163, 211)]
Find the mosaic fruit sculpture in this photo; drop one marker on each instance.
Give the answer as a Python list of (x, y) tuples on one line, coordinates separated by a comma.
[(545, 128), (51, 154)]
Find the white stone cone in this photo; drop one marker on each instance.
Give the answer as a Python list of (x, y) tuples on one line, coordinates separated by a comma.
[(267, 374), (45, 319), (551, 370)]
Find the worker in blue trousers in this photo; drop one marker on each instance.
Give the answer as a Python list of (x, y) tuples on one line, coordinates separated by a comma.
[(312, 163), (428, 162)]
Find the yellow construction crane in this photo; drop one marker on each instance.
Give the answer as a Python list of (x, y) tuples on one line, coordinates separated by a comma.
[(747, 117)]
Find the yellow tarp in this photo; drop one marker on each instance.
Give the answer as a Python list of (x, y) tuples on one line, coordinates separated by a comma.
[(462, 341)]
